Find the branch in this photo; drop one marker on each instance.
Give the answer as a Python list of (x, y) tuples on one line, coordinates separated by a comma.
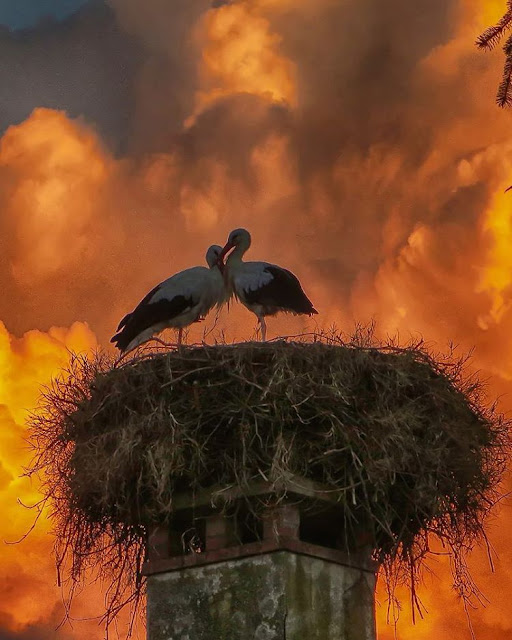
[(491, 36)]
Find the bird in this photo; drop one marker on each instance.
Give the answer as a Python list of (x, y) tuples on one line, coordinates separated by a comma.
[(177, 302), (263, 288)]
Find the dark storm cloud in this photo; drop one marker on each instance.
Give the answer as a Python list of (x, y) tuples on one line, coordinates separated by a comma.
[(26, 13), (33, 632), (167, 80), (48, 629), (84, 65), (356, 68)]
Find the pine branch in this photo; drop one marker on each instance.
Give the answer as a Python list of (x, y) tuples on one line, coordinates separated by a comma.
[(507, 47), (488, 40), (504, 97), (491, 36)]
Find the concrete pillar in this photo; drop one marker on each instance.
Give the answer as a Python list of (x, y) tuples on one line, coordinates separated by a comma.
[(273, 596), (271, 586)]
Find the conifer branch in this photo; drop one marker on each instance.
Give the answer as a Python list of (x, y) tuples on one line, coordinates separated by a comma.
[(488, 40)]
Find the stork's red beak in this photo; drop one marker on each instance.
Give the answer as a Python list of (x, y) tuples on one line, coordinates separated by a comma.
[(220, 259), (227, 247)]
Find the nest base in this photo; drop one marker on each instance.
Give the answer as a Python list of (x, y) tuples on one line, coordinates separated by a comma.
[(295, 515)]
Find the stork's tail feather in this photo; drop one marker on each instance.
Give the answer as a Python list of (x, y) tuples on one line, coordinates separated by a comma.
[(119, 341), (124, 322), (305, 306)]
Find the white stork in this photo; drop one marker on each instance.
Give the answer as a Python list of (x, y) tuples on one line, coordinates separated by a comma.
[(263, 288), (182, 299)]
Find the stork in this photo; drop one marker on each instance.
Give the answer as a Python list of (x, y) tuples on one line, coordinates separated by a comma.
[(182, 299), (263, 288)]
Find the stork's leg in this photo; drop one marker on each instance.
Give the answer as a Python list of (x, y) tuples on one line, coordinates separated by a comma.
[(263, 328)]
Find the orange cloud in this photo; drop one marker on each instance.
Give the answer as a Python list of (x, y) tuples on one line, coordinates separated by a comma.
[(29, 594)]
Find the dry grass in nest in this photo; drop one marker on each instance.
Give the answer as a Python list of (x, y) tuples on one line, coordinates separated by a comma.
[(405, 440)]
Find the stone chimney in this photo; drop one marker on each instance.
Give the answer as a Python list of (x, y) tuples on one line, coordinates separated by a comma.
[(269, 564)]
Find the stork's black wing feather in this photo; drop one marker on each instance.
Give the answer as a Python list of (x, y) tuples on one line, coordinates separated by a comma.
[(282, 292), (142, 303), (149, 314)]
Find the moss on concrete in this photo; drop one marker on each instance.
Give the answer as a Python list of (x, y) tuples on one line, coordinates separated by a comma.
[(277, 596)]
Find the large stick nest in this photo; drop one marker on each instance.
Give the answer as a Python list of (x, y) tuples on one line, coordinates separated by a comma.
[(404, 440)]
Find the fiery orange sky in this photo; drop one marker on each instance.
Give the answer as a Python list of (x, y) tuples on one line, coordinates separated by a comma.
[(357, 140)]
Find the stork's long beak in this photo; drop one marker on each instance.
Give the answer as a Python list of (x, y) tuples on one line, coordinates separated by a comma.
[(227, 247), (220, 259)]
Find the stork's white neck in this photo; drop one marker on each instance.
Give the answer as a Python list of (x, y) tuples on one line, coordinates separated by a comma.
[(235, 257)]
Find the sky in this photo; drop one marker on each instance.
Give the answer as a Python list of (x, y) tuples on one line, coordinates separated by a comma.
[(21, 14), (360, 144)]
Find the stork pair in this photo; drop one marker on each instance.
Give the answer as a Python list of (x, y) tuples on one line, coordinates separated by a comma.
[(186, 297)]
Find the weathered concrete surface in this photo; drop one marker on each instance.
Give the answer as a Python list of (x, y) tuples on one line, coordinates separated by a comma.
[(276, 596)]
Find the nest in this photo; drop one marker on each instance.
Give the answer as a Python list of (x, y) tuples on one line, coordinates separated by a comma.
[(404, 439)]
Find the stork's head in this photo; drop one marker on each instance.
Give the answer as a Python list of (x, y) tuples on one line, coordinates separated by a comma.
[(237, 238), (213, 256)]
